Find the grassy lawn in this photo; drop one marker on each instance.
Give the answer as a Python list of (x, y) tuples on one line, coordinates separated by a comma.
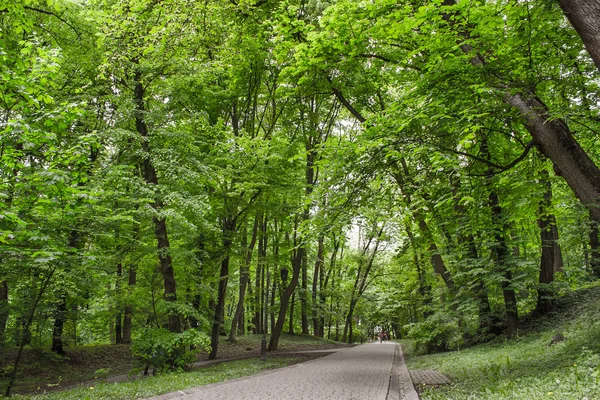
[(168, 382), (528, 367)]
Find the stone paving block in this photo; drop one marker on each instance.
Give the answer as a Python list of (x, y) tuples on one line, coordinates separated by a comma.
[(429, 377)]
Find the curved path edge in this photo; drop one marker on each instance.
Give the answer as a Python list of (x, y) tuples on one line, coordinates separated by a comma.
[(401, 384)]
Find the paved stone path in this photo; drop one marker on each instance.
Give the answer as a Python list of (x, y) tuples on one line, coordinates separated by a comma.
[(358, 373)]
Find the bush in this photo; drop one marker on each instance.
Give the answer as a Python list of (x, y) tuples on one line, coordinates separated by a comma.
[(439, 332), (160, 349)]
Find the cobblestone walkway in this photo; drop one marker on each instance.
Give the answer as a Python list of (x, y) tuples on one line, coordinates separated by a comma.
[(358, 373)]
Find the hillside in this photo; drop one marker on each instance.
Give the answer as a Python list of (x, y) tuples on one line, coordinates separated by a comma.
[(555, 356)]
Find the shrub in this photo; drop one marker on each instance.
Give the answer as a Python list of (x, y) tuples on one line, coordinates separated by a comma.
[(160, 349), (439, 332)]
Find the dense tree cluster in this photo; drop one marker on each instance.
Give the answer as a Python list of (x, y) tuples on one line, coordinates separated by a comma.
[(220, 167)]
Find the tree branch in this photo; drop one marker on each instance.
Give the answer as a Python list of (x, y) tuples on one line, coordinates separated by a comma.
[(346, 103)]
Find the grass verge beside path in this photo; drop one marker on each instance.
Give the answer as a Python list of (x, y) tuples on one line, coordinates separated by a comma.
[(528, 367), (169, 382)]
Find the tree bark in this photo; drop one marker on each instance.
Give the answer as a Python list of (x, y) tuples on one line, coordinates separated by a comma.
[(228, 227), (160, 223), (119, 314), (316, 279), (558, 144), (584, 16), (244, 275), (27, 320), (60, 315), (437, 261), (551, 255), (594, 249), (304, 296), (291, 320), (128, 311), (500, 249), (285, 299), (553, 135)]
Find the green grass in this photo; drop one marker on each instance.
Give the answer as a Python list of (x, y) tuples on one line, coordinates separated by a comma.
[(168, 382), (528, 367)]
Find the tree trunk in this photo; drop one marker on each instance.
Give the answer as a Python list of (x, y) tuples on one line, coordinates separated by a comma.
[(264, 280), (437, 261), (272, 306), (60, 315), (285, 299), (347, 335), (316, 279), (244, 275), (25, 336), (553, 135), (160, 223), (500, 252), (291, 320), (304, 296), (119, 314), (584, 16), (500, 249), (594, 249), (4, 312), (558, 144), (228, 228), (549, 259), (128, 312)]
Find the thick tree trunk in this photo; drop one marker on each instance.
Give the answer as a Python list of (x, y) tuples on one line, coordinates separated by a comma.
[(160, 223), (558, 144), (4, 311), (244, 275), (128, 311), (584, 16), (552, 135)]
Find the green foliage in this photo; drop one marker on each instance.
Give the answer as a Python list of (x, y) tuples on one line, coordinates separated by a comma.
[(439, 332), (533, 366), (160, 349)]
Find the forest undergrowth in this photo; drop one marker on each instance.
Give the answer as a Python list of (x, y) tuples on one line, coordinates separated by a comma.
[(553, 356)]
